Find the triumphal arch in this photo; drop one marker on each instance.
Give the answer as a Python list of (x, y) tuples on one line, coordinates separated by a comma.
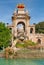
[(20, 21), (21, 28)]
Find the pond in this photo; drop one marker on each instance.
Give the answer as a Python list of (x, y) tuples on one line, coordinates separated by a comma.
[(21, 61)]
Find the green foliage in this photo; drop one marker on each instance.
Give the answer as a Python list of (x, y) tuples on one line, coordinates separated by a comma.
[(25, 44), (29, 43), (4, 35), (39, 27), (19, 45)]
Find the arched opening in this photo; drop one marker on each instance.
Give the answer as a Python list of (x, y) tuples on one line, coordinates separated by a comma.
[(31, 30), (10, 29), (20, 30), (21, 26), (39, 41)]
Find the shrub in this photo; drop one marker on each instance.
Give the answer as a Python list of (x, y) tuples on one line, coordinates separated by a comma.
[(25, 44)]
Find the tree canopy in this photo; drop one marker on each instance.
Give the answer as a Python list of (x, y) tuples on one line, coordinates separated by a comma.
[(5, 35), (39, 28)]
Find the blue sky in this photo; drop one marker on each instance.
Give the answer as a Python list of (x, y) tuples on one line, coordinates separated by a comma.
[(35, 8)]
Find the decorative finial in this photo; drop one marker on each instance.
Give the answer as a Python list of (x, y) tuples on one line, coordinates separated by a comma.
[(20, 6)]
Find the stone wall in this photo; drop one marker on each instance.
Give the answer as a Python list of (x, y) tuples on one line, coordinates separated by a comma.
[(2, 55), (30, 55)]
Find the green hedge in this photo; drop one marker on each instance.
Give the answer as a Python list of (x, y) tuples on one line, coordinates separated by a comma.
[(25, 44)]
